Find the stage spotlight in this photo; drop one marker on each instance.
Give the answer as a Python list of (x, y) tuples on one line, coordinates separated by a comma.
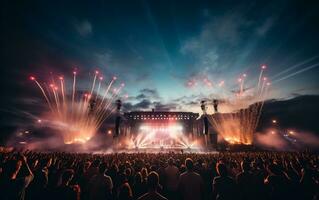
[(144, 128), (179, 128)]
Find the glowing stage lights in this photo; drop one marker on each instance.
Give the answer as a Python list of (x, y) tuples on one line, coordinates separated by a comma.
[(169, 128)]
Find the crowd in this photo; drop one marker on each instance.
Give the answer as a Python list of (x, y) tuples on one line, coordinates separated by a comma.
[(145, 176)]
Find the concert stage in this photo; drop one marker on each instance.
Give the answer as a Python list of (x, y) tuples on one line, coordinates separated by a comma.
[(160, 130)]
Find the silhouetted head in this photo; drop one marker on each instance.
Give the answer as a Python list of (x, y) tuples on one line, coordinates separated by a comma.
[(275, 169), (189, 164), (171, 161), (12, 167), (221, 169), (67, 176), (152, 180), (138, 178), (96, 163), (102, 168), (144, 173), (245, 166), (125, 191), (46, 162)]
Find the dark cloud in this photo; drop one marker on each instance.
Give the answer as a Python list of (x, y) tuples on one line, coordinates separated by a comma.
[(165, 107), (150, 92), (148, 105), (141, 96), (144, 104), (194, 100), (146, 93), (149, 99)]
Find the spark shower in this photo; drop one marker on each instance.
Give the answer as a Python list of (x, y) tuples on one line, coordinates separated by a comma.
[(76, 114), (239, 127)]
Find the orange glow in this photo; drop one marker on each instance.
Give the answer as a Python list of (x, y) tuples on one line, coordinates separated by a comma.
[(77, 119), (79, 140), (234, 128)]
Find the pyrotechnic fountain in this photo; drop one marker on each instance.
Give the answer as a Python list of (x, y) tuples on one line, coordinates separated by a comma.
[(78, 115), (238, 127)]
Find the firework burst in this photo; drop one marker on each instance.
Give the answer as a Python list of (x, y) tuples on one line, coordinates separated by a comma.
[(239, 127), (78, 115)]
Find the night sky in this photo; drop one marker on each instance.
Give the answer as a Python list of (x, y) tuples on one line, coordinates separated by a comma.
[(157, 47)]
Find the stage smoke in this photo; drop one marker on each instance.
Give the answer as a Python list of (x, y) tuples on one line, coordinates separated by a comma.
[(75, 114)]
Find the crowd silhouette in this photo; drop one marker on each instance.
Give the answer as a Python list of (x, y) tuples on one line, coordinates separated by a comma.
[(148, 176)]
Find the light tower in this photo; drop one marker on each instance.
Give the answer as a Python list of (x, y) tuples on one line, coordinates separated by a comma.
[(118, 118), (205, 121), (215, 104)]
